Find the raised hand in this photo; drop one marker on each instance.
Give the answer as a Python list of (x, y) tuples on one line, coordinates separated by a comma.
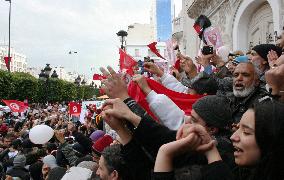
[(115, 123), (272, 57), (114, 86), (167, 152), (186, 129), (59, 136), (142, 83), (204, 60), (119, 110), (274, 78), (153, 68)]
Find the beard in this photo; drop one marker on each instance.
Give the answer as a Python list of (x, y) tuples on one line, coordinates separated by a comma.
[(244, 92)]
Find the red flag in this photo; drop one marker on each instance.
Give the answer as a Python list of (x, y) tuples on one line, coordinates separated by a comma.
[(74, 108), (153, 48), (177, 64), (7, 60), (98, 77), (197, 28), (183, 101), (16, 106), (126, 62)]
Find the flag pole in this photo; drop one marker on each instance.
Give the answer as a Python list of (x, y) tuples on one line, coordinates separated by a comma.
[(9, 48)]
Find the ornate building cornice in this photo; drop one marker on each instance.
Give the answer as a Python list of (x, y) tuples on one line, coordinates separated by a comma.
[(206, 7)]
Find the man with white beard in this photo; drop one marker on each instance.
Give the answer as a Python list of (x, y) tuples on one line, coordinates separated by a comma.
[(246, 89)]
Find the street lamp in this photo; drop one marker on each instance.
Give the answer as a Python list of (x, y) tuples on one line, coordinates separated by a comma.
[(78, 80), (83, 82), (44, 76), (54, 74), (122, 37), (47, 70), (9, 46)]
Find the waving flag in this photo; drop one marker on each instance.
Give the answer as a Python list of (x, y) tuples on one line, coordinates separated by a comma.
[(7, 62), (183, 101), (16, 106), (153, 48), (74, 108), (126, 62), (98, 77)]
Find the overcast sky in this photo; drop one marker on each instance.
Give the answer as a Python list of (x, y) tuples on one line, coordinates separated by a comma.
[(46, 30)]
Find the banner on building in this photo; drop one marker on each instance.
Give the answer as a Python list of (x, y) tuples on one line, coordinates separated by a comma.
[(85, 110)]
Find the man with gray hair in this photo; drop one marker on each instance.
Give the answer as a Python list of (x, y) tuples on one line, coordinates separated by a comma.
[(246, 89)]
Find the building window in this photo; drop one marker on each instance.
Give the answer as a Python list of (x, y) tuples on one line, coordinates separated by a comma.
[(137, 54), (150, 53)]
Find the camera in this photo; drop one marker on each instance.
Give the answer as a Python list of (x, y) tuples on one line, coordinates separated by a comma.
[(207, 50)]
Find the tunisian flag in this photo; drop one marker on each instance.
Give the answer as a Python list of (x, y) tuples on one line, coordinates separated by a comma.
[(74, 108), (126, 62), (98, 77), (153, 48), (7, 62), (183, 101), (16, 106)]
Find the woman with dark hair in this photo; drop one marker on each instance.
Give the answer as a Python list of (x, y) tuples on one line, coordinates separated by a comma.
[(259, 146), (258, 143)]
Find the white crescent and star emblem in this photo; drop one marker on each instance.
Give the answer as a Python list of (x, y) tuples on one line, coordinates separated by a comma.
[(15, 106), (75, 109)]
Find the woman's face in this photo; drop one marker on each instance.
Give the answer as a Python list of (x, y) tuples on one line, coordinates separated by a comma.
[(247, 152)]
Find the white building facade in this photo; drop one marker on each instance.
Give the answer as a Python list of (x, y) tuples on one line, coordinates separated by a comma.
[(139, 36), (243, 23), (18, 63)]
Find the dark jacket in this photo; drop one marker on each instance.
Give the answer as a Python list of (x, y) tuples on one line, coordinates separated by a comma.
[(20, 172), (240, 105), (223, 72), (137, 162), (152, 136), (83, 141), (224, 87)]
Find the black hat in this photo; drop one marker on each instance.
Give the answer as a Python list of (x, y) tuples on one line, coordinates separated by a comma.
[(263, 49), (214, 110), (205, 86)]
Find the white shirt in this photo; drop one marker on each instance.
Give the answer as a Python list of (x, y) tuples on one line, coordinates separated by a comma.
[(165, 110)]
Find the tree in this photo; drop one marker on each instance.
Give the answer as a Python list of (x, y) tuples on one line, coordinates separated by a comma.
[(6, 84), (21, 86), (25, 87)]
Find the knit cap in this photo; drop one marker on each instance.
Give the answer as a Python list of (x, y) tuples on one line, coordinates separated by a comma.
[(50, 161), (96, 135), (102, 143), (241, 59), (214, 110), (263, 49), (19, 160)]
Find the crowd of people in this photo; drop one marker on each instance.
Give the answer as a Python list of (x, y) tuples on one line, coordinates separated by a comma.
[(235, 129)]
